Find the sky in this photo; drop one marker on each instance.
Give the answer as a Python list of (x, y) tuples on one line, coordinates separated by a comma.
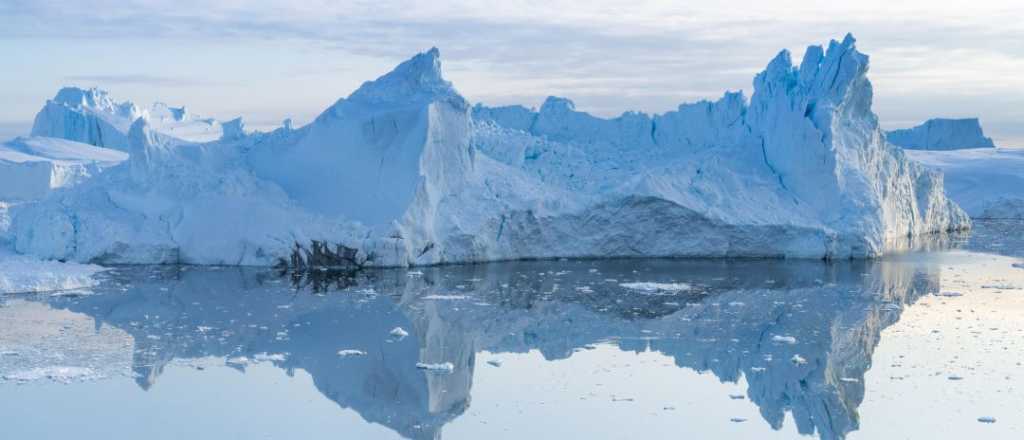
[(268, 60)]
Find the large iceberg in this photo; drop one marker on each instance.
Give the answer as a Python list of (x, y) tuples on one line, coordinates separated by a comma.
[(405, 172), (942, 134), (91, 116)]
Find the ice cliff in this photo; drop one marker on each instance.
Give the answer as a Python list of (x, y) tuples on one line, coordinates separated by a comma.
[(942, 134), (91, 116), (405, 172)]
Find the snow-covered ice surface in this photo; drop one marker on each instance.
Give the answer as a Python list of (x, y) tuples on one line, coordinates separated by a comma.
[(987, 182), (834, 350), (942, 134), (31, 167), (406, 172)]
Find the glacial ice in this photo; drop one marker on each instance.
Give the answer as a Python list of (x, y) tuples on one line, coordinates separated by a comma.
[(32, 167), (91, 116), (405, 172), (941, 134), (987, 182)]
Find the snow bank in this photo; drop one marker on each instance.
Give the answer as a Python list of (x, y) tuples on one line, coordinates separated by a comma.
[(942, 134), (91, 116), (20, 274), (405, 172), (987, 183), (31, 167)]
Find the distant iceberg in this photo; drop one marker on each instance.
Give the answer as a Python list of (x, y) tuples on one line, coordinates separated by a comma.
[(942, 134), (91, 116), (405, 172)]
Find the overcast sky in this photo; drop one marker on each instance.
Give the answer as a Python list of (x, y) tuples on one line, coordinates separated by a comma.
[(271, 59)]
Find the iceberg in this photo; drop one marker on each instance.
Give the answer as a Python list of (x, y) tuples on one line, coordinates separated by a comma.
[(405, 172), (942, 134), (986, 182), (91, 116)]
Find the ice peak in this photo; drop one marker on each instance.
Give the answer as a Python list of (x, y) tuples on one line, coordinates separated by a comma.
[(418, 78), (77, 96)]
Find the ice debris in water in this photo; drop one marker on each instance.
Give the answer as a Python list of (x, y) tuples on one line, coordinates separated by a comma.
[(444, 367), (785, 339), (649, 287), (799, 360), (262, 357), (58, 374), (399, 333), (351, 352)]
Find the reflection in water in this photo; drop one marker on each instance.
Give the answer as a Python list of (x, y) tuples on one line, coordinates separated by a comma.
[(800, 333)]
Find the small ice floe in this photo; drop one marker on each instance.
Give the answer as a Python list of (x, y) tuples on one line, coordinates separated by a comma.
[(737, 304), (657, 288), (263, 357), (737, 420), (398, 333), (494, 362), (784, 339), (757, 369), (414, 273), (592, 270), (949, 294), (443, 367), (849, 379), (584, 289), (351, 352), (799, 360), (987, 419), (445, 297)]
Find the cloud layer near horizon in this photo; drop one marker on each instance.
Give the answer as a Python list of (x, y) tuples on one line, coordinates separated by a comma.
[(272, 59)]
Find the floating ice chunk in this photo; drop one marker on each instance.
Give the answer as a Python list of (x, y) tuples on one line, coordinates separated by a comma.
[(414, 273), (849, 379), (351, 352), (784, 339), (398, 333), (987, 419), (799, 360), (444, 367), (656, 288)]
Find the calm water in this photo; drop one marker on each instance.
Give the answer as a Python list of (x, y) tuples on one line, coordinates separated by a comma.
[(915, 346)]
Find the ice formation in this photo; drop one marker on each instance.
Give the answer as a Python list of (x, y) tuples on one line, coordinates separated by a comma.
[(986, 182), (942, 134), (32, 167), (405, 172), (91, 116)]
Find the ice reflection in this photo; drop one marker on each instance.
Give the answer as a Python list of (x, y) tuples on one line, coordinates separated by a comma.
[(801, 333)]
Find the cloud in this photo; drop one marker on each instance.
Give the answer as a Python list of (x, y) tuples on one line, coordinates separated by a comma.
[(608, 56)]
